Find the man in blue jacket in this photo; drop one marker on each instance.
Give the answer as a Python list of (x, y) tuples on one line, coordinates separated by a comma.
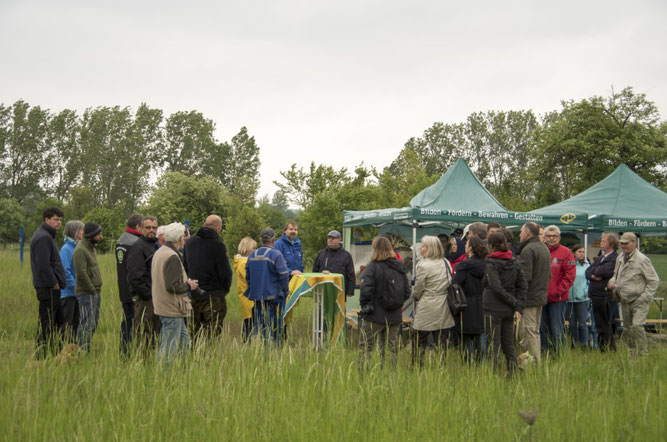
[(48, 278), (268, 285), (290, 247)]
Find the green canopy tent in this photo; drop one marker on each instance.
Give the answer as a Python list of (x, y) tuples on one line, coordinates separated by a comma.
[(623, 201), (457, 198)]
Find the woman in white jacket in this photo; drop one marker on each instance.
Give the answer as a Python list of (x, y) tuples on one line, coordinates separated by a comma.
[(432, 315)]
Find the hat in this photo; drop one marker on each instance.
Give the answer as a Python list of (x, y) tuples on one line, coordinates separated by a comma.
[(267, 234), (333, 234), (90, 230), (458, 231), (465, 231), (627, 237)]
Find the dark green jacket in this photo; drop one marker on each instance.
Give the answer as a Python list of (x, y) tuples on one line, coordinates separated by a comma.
[(88, 276)]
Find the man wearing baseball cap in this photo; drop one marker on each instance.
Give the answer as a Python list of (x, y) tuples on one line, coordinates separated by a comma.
[(634, 283), (88, 283), (268, 286), (335, 259)]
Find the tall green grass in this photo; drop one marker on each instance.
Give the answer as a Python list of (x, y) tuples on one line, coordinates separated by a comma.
[(225, 390)]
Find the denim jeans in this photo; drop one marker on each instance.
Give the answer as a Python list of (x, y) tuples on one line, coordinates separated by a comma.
[(552, 326), (89, 315), (269, 320), (174, 339), (592, 329), (577, 313), (473, 347)]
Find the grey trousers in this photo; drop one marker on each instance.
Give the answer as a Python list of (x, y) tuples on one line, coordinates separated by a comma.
[(634, 317), (382, 335)]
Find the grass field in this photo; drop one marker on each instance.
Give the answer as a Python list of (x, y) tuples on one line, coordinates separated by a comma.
[(229, 391)]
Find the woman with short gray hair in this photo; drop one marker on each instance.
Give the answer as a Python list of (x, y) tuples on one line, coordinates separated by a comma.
[(72, 233), (170, 293)]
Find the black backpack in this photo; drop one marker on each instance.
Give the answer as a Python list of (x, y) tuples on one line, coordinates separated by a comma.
[(389, 286)]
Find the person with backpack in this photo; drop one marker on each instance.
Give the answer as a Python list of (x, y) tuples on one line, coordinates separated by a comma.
[(432, 314), (503, 300), (384, 289)]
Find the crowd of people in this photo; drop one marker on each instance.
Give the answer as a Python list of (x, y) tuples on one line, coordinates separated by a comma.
[(173, 286), (517, 294)]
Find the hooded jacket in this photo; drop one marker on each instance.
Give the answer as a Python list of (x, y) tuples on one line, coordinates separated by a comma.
[(205, 260), (139, 267), (47, 269), (369, 288), (504, 285), (562, 273), (602, 267), (66, 252), (469, 275), (291, 251), (89, 277), (337, 261), (535, 262), (242, 285)]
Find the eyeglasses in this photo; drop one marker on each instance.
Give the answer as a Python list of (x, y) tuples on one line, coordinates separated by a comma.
[(150, 227), (551, 236)]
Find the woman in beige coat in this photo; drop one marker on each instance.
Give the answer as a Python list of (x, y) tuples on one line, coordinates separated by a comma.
[(432, 315)]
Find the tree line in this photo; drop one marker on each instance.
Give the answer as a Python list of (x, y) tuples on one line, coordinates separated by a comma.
[(107, 162)]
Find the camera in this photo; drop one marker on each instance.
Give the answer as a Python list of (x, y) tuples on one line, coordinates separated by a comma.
[(198, 293), (366, 310)]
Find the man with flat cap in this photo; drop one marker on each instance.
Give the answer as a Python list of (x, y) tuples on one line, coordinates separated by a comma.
[(634, 284), (335, 259), (268, 286)]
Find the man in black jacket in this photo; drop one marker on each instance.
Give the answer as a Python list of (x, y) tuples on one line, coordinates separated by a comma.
[(123, 245), (335, 259), (48, 277), (599, 274), (139, 259), (205, 259)]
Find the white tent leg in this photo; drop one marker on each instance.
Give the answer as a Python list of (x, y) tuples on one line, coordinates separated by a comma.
[(414, 247)]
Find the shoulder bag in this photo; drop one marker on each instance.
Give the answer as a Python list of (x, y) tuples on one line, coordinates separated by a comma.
[(456, 299)]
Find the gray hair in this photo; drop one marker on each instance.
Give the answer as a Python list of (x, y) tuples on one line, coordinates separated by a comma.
[(552, 228), (173, 232), (72, 228), (160, 231)]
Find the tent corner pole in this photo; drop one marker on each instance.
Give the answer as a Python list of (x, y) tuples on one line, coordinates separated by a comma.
[(414, 247)]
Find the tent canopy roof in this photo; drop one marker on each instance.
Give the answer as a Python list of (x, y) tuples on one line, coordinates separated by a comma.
[(623, 201), (457, 188), (458, 197)]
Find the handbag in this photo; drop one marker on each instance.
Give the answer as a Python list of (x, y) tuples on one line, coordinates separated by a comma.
[(456, 299)]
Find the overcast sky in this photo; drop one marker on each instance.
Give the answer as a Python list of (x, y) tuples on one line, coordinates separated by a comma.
[(332, 82)]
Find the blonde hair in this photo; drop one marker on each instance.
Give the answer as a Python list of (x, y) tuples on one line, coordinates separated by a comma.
[(433, 246), (382, 249), (246, 246)]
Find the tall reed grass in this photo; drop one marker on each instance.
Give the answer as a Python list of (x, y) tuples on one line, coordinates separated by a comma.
[(225, 390)]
